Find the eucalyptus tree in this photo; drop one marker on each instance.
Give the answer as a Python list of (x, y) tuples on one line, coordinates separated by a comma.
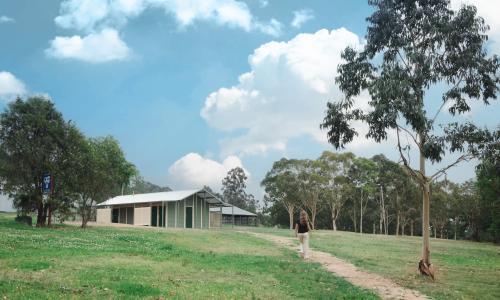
[(411, 47), (363, 174), (334, 167), (311, 186), (488, 187), (282, 187), (234, 186), (103, 171)]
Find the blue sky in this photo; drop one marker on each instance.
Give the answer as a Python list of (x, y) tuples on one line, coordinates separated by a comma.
[(192, 89)]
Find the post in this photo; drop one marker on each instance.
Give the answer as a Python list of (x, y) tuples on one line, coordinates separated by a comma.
[(232, 212), (220, 219)]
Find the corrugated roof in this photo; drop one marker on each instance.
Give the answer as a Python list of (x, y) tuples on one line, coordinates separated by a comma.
[(237, 211), (160, 197)]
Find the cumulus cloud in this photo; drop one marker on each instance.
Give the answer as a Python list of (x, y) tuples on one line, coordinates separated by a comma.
[(10, 86), (98, 47), (263, 3), (489, 11), (5, 19), (88, 15), (284, 94), (195, 171), (301, 16)]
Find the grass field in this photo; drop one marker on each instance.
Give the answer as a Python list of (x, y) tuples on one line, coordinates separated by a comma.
[(67, 262), (465, 270)]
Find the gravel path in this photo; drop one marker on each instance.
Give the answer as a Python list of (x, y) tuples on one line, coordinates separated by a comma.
[(384, 287)]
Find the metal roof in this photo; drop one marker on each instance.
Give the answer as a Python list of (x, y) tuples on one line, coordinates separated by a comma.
[(162, 197), (237, 211)]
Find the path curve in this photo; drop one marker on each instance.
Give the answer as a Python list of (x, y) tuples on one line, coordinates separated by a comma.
[(384, 287)]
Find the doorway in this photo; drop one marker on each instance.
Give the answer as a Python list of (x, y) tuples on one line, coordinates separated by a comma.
[(189, 217)]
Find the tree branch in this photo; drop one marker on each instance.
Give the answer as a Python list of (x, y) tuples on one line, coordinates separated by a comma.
[(405, 161), (408, 132), (465, 157), (446, 101)]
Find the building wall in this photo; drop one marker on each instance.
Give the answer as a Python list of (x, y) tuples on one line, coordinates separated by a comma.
[(103, 216), (142, 216), (215, 219), (6, 204), (206, 215), (175, 213)]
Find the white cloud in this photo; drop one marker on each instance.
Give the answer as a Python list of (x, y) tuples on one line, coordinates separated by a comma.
[(263, 3), (489, 11), (301, 16), (195, 171), (89, 15), (284, 94), (10, 86), (99, 47), (5, 19), (273, 28)]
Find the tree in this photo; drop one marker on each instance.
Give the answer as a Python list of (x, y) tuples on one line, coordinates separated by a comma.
[(233, 187), (488, 185), (104, 170), (139, 185), (362, 175), (412, 46), (281, 186), (311, 183), (334, 169), (34, 139)]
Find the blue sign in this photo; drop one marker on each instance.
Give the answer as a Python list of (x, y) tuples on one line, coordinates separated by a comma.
[(47, 183)]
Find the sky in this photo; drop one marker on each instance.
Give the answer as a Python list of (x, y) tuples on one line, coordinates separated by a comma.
[(192, 89)]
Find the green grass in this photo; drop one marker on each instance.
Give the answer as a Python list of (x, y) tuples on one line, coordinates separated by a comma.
[(465, 270), (68, 262)]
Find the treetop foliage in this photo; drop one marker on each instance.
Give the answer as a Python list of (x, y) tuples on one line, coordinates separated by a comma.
[(411, 46)]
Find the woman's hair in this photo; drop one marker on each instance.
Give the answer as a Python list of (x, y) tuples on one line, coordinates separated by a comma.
[(303, 217)]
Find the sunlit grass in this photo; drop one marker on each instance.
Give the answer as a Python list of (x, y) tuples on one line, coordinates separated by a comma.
[(68, 262), (465, 270)]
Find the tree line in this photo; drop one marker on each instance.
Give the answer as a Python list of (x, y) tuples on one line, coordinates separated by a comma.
[(35, 139), (377, 195)]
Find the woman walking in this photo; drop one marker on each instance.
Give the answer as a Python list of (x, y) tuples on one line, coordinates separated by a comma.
[(302, 230)]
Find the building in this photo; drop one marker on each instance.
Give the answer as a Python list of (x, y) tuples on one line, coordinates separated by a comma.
[(174, 209), (241, 216), (6, 203)]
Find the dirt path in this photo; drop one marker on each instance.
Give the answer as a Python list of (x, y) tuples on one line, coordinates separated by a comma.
[(385, 288)]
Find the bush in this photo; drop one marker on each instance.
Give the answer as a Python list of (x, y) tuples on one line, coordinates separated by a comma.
[(24, 219)]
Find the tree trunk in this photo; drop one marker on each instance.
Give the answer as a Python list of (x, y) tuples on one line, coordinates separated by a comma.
[(411, 228), (334, 214), (398, 213), (290, 210), (397, 224), (456, 223), (39, 215), (49, 218), (361, 213), (425, 264), (87, 208), (381, 210)]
